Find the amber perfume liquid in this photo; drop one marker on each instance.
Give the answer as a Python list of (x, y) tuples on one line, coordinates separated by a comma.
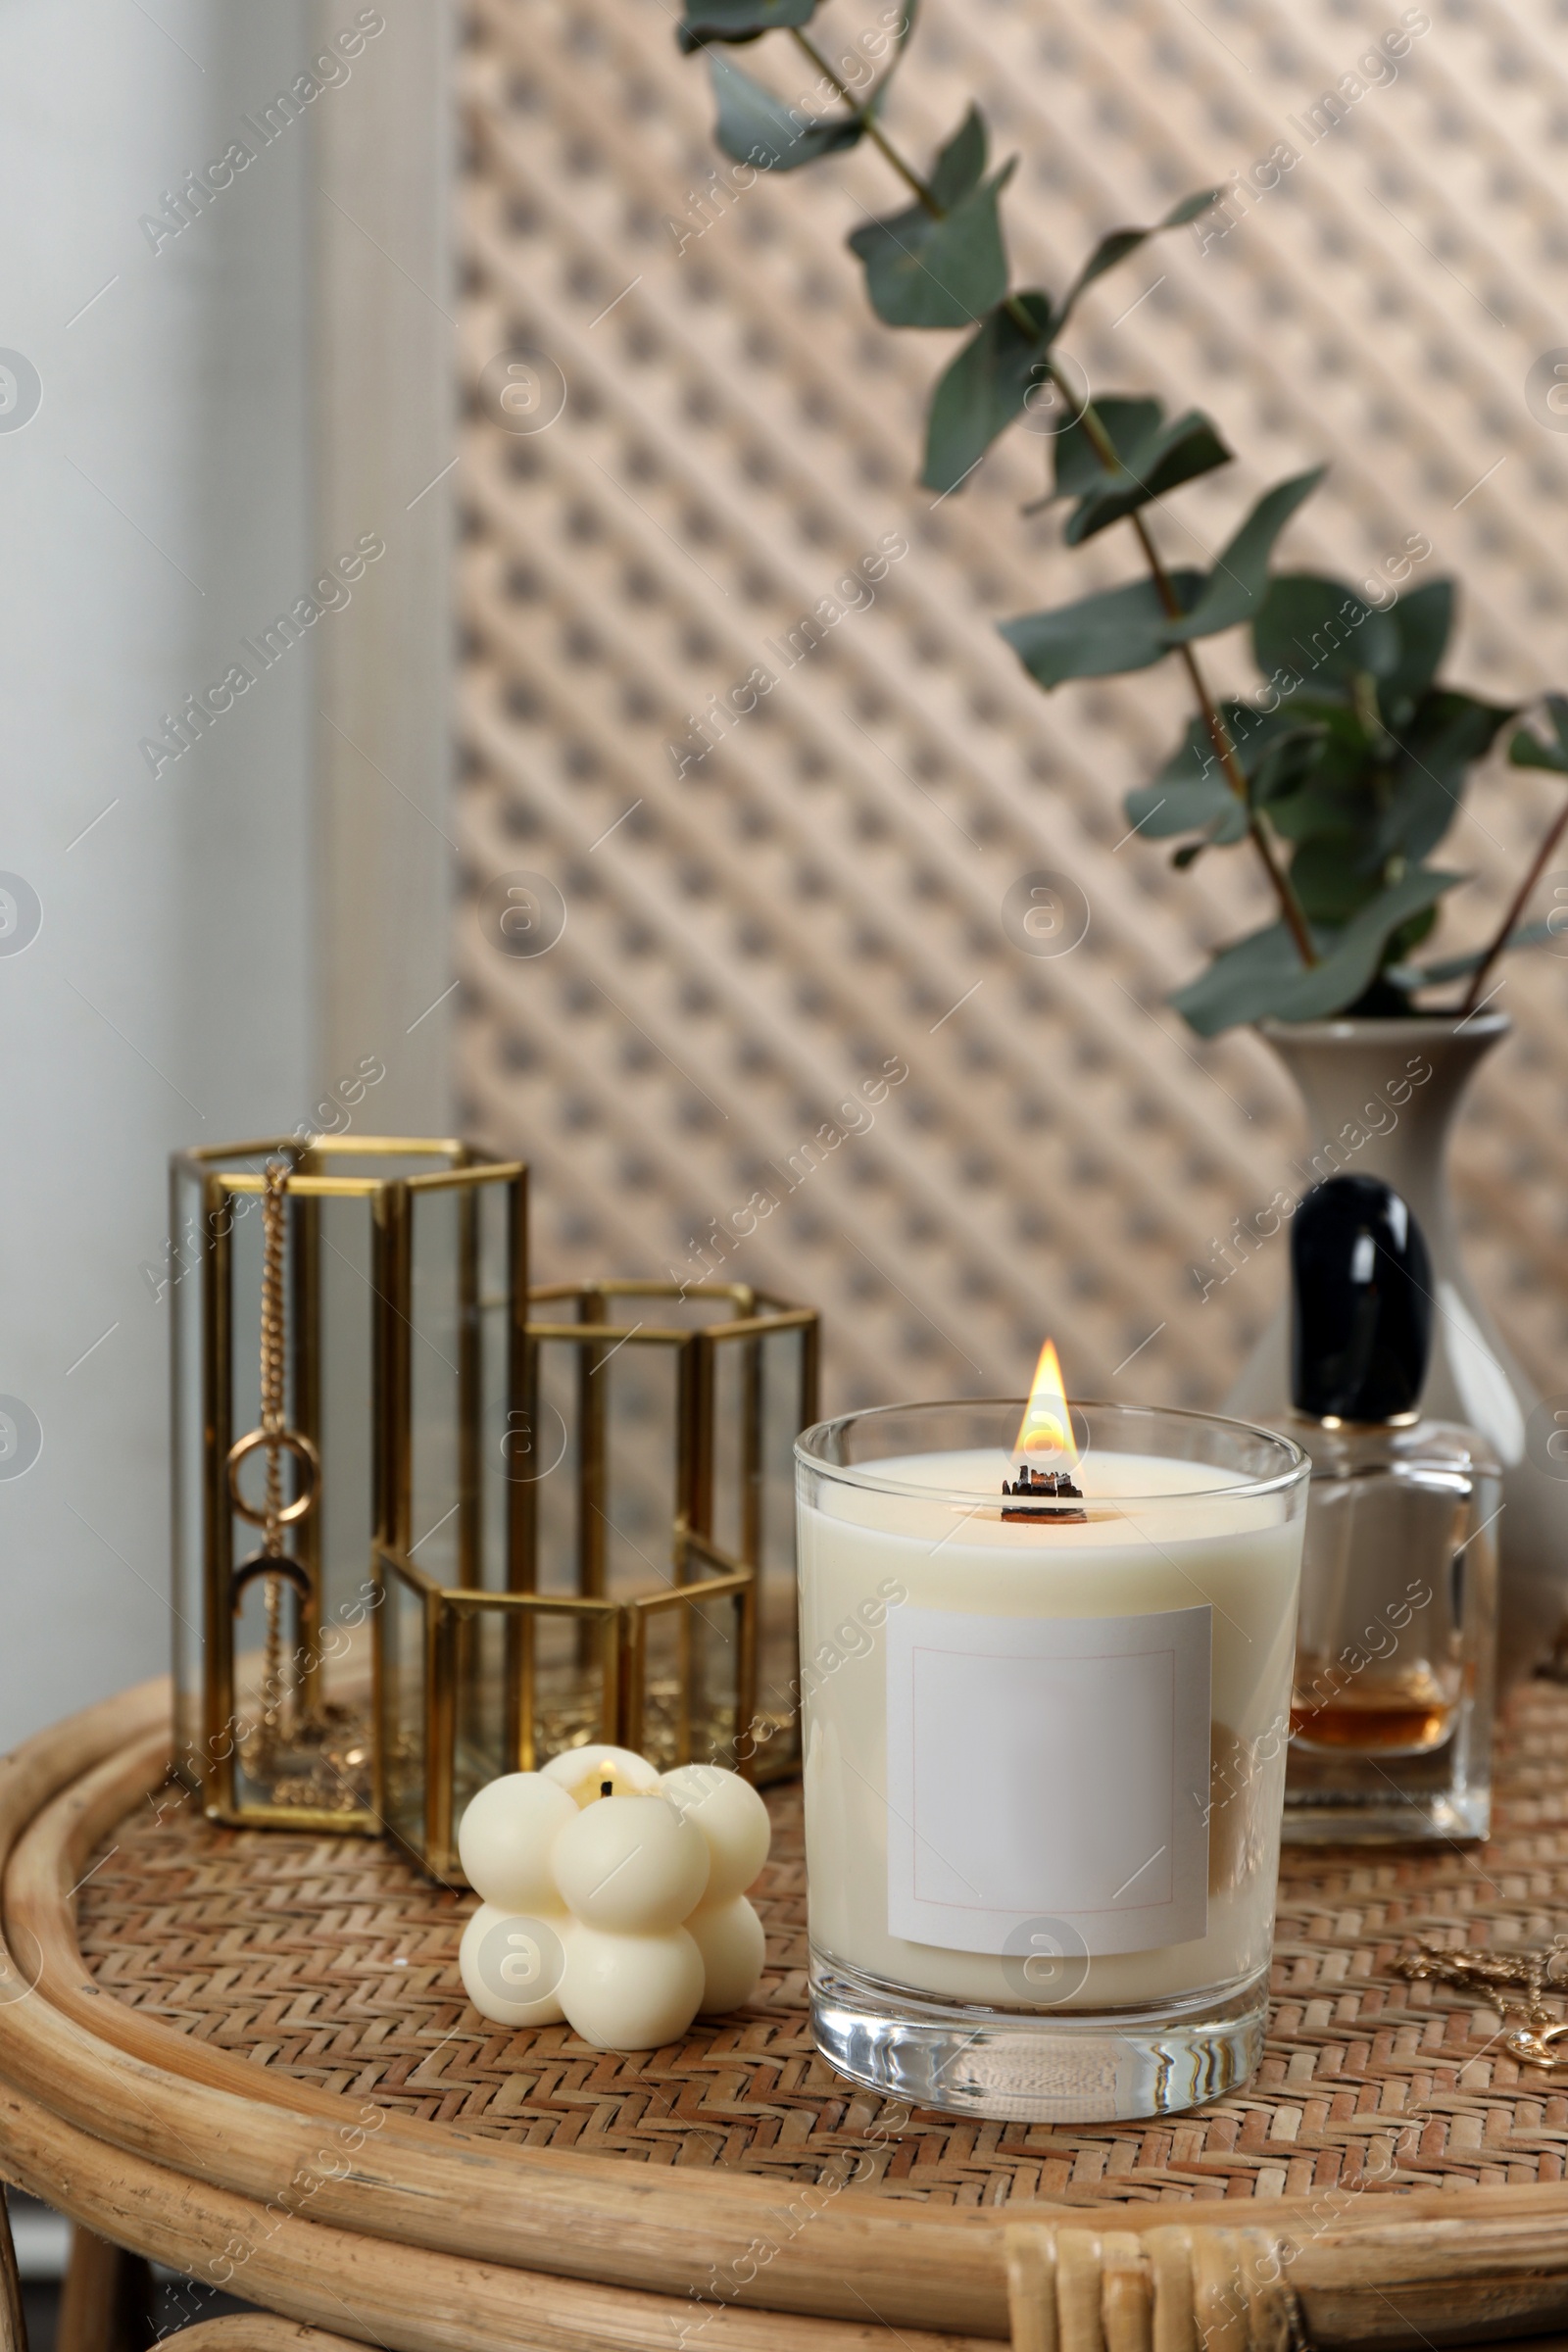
[(1390, 1700), (1384, 1715)]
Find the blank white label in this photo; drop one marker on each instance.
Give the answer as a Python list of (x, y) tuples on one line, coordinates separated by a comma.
[(1047, 1768)]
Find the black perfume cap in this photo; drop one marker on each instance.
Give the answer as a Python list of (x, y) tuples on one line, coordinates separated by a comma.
[(1360, 1302)]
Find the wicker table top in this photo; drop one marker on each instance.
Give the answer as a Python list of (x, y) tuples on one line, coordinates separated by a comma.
[(335, 1961)]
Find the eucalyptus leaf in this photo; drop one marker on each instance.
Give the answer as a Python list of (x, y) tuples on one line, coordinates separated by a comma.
[(1334, 878), (1206, 802), (1527, 749), (1159, 809), (1264, 977), (962, 165), (1423, 793), (756, 128), (924, 272), (1172, 452), (1250, 731), (1322, 633), (708, 20), (985, 389), (1460, 967), (1324, 802), (1406, 939), (1356, 952), (1341, 789), (1282, 764), (1241, 984), (1424, 620), (1230, 825), (1122, 241), (1191, 791), (901, 40), (1103, 636), (1128, 424), (1239, 580)]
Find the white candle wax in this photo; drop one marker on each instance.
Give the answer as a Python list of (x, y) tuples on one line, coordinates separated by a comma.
[(612, 1896), (1164, 1543)]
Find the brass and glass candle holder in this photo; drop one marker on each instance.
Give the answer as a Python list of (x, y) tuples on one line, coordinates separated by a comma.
[(430, 1528), (348, 1321), (650, 1470)]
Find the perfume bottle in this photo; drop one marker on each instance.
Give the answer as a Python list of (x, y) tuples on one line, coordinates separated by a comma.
[(1391, 1708)]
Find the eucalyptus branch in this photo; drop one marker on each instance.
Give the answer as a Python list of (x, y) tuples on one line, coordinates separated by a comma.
[(1291, 908), (862, 110), (1520, 900), (1105, 450)]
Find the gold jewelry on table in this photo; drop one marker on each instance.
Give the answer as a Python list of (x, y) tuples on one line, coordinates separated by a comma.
[(1534, 2033), (271, 1562)]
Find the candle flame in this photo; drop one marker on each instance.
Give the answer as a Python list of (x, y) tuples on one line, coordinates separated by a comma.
[(1047, 1425)]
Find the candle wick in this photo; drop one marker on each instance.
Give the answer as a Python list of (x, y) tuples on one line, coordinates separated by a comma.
[(606, 1788), (1053, 1494)]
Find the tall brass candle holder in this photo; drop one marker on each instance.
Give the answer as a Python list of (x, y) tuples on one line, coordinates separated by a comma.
[(488, 1524), (381, 1281)]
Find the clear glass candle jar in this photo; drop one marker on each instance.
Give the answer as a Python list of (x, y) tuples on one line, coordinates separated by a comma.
[(1045, 1755)]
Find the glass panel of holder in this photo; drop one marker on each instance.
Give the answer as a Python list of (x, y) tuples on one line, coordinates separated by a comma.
[(469, 1434), (439, 1334), (690, 1675), (485, 1707), (174, 1282), (532, 1678), (788, 1403), (607, 1457), (505, 1415), (404, 1696), (565, 1663)]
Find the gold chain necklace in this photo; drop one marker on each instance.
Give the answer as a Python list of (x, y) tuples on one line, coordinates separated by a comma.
[(1534, 2033), (273, 1563)]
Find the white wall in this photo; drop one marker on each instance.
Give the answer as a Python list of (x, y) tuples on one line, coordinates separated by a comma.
[(159, 508)]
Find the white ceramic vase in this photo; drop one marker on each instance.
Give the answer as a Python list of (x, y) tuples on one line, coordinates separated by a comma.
[(1380, 1097)]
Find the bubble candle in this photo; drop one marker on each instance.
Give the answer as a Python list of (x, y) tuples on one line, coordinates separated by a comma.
[(612, 1896)]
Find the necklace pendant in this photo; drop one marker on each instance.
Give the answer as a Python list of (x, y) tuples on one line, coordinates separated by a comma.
[(1534, 2045), (268, 1564)]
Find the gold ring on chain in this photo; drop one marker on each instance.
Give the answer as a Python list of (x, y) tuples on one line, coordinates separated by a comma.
[(289, 1441)]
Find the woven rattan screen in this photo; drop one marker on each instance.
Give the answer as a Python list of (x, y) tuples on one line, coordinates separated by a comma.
[(757, 948)]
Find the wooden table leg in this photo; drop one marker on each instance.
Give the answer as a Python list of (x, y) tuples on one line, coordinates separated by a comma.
[(107, 2305), (13, 2323)]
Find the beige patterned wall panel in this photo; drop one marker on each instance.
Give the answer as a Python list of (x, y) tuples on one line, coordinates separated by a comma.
[(818, 898)]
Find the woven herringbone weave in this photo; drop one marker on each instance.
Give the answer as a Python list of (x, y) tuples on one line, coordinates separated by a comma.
[(336, 1962)]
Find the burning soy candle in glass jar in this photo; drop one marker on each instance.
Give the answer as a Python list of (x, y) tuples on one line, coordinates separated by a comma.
[(1047, 1691)]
